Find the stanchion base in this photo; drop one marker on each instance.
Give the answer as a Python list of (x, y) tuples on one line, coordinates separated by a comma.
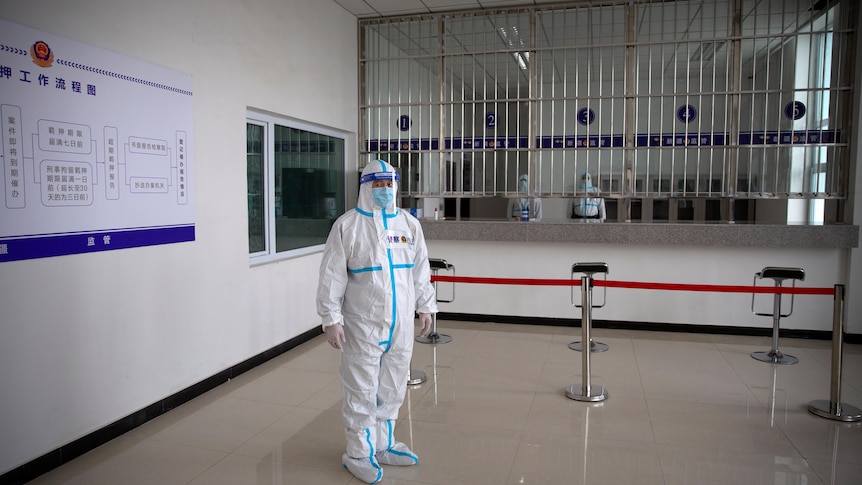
[(576, 392), (838, 412), (415, 377), (774, 357), (594, 346), (434, 338)]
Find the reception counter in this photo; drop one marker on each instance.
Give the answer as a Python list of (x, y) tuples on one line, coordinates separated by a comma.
[(653, 234), (688, 253)]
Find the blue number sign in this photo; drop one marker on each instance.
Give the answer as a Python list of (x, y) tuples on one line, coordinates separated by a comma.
[(794, 110), (686, 113), (404, 123), (490, 119), (586, 116)]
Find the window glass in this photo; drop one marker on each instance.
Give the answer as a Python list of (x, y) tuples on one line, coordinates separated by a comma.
[(308, 176), (295, 186), (256, 190)]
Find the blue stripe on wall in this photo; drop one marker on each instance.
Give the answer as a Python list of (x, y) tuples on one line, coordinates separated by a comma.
[(49, 245)]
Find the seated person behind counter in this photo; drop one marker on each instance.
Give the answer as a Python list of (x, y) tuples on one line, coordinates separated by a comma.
[(533, 204), (592, 208)]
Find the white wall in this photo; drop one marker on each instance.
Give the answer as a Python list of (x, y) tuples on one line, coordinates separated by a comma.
[(88, 339)]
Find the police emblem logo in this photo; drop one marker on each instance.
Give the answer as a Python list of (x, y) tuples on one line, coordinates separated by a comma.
[(42, 54), (398, 240)]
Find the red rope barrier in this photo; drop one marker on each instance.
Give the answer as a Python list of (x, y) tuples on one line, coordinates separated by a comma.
[(785, 290), (505, 281)]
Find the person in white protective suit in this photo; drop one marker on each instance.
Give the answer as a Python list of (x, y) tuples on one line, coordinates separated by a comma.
[(591, 206), (533, 204), (374, 277)]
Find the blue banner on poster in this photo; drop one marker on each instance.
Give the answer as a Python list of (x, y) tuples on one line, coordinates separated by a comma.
[(46, 246)]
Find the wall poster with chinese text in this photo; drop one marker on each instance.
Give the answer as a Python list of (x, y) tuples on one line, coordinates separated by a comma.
[(96, 149)]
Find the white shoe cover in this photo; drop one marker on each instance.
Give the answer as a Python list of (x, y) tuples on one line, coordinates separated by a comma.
[(364, 469), (398, 454)]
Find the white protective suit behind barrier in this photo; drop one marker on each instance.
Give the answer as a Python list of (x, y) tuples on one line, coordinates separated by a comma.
[(373, 277), (592, 206), (533, 204)]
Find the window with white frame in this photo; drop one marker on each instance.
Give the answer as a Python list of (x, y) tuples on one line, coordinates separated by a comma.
[(295, 178)]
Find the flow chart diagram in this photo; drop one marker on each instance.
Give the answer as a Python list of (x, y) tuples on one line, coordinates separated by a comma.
[(96, 149)]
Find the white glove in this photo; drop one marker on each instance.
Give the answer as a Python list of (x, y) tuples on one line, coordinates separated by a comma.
[(335, 335), (424, 324)]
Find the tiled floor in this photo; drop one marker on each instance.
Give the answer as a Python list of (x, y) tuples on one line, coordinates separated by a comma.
[(682, 409)]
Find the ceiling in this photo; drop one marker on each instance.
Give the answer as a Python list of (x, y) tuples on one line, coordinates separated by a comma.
[(682, 40), (385, 8)]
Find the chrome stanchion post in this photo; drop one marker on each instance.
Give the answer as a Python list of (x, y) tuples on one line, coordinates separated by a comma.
[(774, 355), (834, 408), (434, 337), (594, 346), (415, 377), (586, 391)]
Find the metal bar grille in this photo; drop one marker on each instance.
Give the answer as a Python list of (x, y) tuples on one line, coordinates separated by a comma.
[(678, 100)]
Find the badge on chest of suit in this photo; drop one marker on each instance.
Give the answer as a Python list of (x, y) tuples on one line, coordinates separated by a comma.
[(399, 240)]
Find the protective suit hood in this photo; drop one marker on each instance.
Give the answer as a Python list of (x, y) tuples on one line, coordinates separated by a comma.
[(376, 170), (523, 183), (587, 180)]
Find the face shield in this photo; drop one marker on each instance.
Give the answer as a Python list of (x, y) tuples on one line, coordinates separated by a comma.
[(378, 186), (523, 183)]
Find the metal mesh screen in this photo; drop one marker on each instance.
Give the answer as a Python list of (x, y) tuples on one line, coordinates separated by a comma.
[(730, 99)]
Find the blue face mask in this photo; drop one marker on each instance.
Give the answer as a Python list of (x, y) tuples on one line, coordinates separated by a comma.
[(382, 196)]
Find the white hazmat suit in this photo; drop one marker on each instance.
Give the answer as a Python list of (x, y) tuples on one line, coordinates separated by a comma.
[(592, 206), (374, 276), (514, 209)]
